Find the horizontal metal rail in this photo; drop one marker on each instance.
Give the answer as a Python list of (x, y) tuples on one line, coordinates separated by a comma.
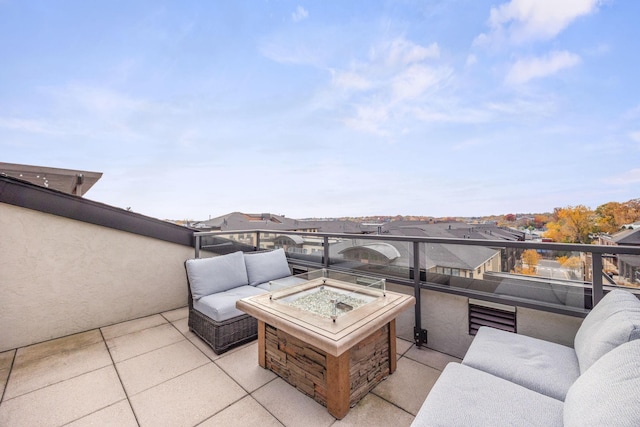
[(416, 271), (567, 247)]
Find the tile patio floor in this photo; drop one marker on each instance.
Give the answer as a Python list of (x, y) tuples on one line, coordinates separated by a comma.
[(154, 372)]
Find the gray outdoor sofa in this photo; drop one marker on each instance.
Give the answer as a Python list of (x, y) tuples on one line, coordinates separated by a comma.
[(216, 283), (507, 379)]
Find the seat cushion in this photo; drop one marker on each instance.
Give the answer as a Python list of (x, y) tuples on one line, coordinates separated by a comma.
[(265, 266), (538, 365), (285, 282), (222, 306), (464, 396), (608, 393), (613, 321), (217, 274)]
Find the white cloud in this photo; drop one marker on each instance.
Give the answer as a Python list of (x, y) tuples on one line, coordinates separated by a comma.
[(27, 125), (404, 52), (416, 80), (521, 21), (369, 119), (452, 114), (527, 69), (629, 177), (471, 60), (350, 80), (468, 144), (299, 14), (291, 52)]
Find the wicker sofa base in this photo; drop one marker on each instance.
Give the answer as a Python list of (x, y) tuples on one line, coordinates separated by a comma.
[(222, 336)]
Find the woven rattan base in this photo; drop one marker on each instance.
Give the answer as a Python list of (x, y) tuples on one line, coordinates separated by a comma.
[(222, 336)]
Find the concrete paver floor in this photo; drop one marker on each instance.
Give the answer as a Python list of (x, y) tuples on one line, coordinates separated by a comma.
[(155, 372)]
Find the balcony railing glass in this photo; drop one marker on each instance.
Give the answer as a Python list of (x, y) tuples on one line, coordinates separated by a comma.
[(563, 278)]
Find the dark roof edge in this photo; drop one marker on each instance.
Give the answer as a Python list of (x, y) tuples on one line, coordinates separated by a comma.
[(24, 194)]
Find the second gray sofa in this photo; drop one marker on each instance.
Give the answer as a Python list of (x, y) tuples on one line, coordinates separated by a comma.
[(508, 379)]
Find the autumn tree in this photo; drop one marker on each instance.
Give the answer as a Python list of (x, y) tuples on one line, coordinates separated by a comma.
[(569, 262), (613, 215), (572, 225), (540, 220), (530, 259)]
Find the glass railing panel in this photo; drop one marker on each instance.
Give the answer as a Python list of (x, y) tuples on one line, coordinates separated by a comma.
[(307, 248), (548, 277), (379, 257), (622, 270), (221, 244)]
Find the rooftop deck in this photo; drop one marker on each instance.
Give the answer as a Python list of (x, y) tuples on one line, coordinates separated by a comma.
[(155, 372)]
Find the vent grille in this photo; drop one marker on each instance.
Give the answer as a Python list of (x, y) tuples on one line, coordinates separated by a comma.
[(488, 314)]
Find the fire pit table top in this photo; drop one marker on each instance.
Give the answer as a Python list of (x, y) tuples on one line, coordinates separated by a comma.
[(330, 310)]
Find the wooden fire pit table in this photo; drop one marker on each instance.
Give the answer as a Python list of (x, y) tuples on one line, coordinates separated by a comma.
[(333, 337)]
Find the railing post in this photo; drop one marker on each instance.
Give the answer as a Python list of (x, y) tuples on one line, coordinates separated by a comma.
[(257, 240), (197, 245), (419, 335), (596, 272), (325, 243)]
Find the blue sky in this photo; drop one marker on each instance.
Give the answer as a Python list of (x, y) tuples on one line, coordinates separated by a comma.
[(317, 108)]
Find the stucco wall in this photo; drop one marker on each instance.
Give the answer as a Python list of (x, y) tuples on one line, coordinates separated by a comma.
[(552, 327), (446, 318), (60, 276)]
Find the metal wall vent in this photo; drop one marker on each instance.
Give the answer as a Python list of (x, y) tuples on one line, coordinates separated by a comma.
[(484, 313)]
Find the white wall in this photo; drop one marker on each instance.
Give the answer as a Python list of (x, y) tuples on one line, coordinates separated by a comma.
[(446, 318), (60, 276)]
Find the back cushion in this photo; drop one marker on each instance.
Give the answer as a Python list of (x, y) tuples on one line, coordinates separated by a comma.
[(218, 274), (607, 393), (265, 266), (613, 321)]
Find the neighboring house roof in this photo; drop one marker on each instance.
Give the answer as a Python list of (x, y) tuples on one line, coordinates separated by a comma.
[(627, 237), (383, 249), (266, 221), (241, 221), (336, 226), (458, 256), (69, 181), (631, 260), (431, 255), (458, 230), (294, 238)]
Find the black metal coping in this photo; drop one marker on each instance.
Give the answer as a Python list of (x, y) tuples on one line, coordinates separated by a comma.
[(26, 195)]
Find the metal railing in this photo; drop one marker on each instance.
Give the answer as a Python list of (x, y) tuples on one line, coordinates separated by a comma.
[(489, 270)]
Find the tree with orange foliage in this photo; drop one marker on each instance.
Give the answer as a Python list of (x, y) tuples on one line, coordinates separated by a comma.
[(572, 225), (613, 215), (569, 262), (530, 259)]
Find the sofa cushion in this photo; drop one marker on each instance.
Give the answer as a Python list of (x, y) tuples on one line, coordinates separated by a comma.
[(217, 274), (539, 365), (222, 306), (265, 266), (613, 321), (607, 393), (464, 396)]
